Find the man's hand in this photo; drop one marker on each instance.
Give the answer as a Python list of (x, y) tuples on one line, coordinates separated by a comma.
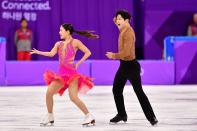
[(110, 55)]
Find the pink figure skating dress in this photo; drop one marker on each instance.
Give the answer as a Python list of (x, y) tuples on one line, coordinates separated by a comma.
[(67, 72)]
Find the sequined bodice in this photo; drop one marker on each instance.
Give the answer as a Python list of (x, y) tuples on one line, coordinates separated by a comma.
[(66, 56)]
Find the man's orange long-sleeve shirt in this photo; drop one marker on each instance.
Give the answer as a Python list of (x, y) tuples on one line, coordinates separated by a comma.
[(126, 44)]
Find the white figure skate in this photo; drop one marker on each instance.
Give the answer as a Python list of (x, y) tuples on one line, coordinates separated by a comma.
[(48, 120), (89, 120)]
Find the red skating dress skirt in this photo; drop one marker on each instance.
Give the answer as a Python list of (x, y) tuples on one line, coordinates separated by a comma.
[(68, 73)]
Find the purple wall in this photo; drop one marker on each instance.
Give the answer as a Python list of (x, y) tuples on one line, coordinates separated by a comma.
[(165, 18), (162, 18), (185, 62), (153, 20), (103, 72), (152, 72), (31, 73), (83, 14), (157, 72), (2, 60), (181, 71)]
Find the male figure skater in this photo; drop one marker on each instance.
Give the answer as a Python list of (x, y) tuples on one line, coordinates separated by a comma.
[(129, 69)]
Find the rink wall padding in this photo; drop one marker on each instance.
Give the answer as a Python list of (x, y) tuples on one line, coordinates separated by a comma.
[(31, 73), (186, 61), (103, 72), (2, 60), (152, 72)]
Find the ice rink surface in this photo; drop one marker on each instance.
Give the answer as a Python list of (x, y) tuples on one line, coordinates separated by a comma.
[(21, 109)]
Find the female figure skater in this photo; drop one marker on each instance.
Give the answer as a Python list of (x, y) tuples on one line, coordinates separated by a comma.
[(68, 76)]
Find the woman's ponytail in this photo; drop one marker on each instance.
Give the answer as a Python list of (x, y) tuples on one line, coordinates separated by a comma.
[(85, 33)]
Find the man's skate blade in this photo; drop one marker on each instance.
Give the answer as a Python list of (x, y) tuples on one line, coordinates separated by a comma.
[(120, 122)]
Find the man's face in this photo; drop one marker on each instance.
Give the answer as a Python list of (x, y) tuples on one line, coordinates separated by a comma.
[(120, 22)]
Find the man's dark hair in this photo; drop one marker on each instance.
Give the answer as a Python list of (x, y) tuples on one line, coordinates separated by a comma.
[(124, 13)]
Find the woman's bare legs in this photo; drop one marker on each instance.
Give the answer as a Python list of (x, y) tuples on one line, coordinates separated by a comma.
[(51, 91), (73, 94)]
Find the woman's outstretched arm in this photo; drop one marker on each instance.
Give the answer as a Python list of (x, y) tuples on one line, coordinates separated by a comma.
[(49, 54)]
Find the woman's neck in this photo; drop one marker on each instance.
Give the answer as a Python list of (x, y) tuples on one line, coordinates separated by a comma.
[(68, 38)]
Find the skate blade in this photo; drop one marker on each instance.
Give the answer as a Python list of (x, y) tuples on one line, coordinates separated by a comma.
[(120, 122), (92, 123), (47, 124), (113, 123)]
